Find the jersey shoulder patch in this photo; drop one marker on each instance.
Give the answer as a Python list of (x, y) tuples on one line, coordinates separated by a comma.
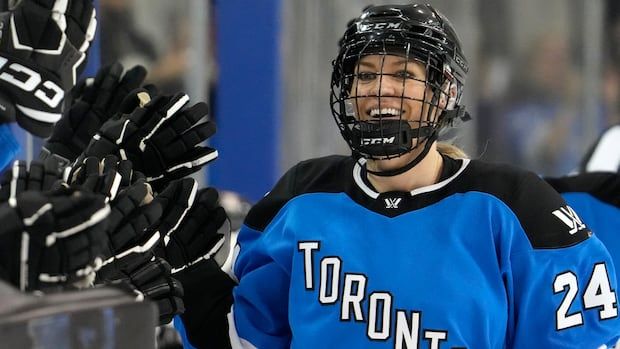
[(310, 176), (542, 212)]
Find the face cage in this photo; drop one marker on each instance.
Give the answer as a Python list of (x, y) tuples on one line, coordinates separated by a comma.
[(344, 99)]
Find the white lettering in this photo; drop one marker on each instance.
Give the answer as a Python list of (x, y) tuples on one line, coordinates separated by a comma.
[(407, 332), (435, 337), (31, 82), (327, 264), (308, 247), (353, 299), (384, 300)]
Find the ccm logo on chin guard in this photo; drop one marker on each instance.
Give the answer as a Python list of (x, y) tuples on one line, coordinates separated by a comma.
[(29, 80), (380, 140)]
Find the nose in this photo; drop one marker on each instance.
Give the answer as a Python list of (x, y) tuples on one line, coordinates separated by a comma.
[(387, 85)]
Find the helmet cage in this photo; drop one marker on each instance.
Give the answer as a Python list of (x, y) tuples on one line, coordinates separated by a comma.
[(385, 138)]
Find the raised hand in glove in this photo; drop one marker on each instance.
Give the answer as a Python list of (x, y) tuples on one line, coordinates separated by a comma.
[(94, 102), (39, 176), (42, 51), (152, 280), (130, 241), (51, 239), (162, 138), (198, 234)]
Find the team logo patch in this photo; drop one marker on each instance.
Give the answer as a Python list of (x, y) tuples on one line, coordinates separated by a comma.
[(569, 217), (392, 202)]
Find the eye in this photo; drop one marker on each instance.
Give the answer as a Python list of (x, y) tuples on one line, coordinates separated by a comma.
[(404, 74), (366, 76)]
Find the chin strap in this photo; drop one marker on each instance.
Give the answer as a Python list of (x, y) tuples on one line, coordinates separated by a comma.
[(395, 172)]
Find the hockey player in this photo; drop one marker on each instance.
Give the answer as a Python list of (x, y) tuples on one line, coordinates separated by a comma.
[(595, 192), (402, 246)]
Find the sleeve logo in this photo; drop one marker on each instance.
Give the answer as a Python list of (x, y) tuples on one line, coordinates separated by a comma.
[(569, 217)]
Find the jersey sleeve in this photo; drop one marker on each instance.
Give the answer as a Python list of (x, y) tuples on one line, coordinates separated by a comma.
[(259, 315), (561, 280)]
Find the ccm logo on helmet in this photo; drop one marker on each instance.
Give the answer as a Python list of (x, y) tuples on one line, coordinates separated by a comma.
[(28, 80), (384, 140), (379, 26)]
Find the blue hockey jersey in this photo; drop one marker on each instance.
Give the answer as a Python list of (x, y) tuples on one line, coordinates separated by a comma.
[(595, 196), (489, 257)]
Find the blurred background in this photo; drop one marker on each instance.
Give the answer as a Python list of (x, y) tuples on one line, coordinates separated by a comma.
[(543, 83)]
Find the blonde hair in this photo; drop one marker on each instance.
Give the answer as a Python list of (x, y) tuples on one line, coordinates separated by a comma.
[(451, 150)]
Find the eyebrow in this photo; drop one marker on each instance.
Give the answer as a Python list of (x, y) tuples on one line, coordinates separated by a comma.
[(398, 62)]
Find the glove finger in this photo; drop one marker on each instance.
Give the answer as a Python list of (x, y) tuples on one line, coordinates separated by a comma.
[(208, 198), (106, 78), (169, 308), (176, 201), (189, 117), (132, 80), (80, 210), (110, 163), (134, 231), (126, 202), (138, 97), (105, 91), (147, 116), (125, 169), (191, 161), (188, 140), (149, 271), (164, 109), (89, 175), (14, 181)]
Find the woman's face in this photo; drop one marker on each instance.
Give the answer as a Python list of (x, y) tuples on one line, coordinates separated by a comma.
[(391, 87)]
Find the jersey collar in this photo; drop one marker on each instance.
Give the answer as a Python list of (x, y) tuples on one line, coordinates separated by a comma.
[(358, 169)]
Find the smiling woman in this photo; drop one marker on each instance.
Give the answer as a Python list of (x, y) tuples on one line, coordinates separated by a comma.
[(406, 244)]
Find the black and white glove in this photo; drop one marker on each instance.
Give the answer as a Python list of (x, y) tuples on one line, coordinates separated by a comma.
[(162, 139), (106, 177), (51, 239), (94, 102), (197, 235), (39, 176), (42, 51), (130, 241), (152, 280)]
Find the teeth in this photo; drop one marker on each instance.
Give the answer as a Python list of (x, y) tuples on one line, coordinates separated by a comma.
[(385, 111)]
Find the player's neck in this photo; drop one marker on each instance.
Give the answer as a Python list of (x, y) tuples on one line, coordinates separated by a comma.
[(426, 172)]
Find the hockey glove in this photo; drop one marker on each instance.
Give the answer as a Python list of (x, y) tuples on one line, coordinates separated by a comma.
[(152, 280), (197, 236), (106, 177), (51, 239), (42, 51), (162, 139), (95, 101), (136, 229), (130, 242), (40, 176)]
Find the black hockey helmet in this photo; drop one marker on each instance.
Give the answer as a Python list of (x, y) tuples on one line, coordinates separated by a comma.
[(418, 33)]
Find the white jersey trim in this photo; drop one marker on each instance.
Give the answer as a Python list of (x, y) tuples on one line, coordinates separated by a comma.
[(605, 156), (357, 177)]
